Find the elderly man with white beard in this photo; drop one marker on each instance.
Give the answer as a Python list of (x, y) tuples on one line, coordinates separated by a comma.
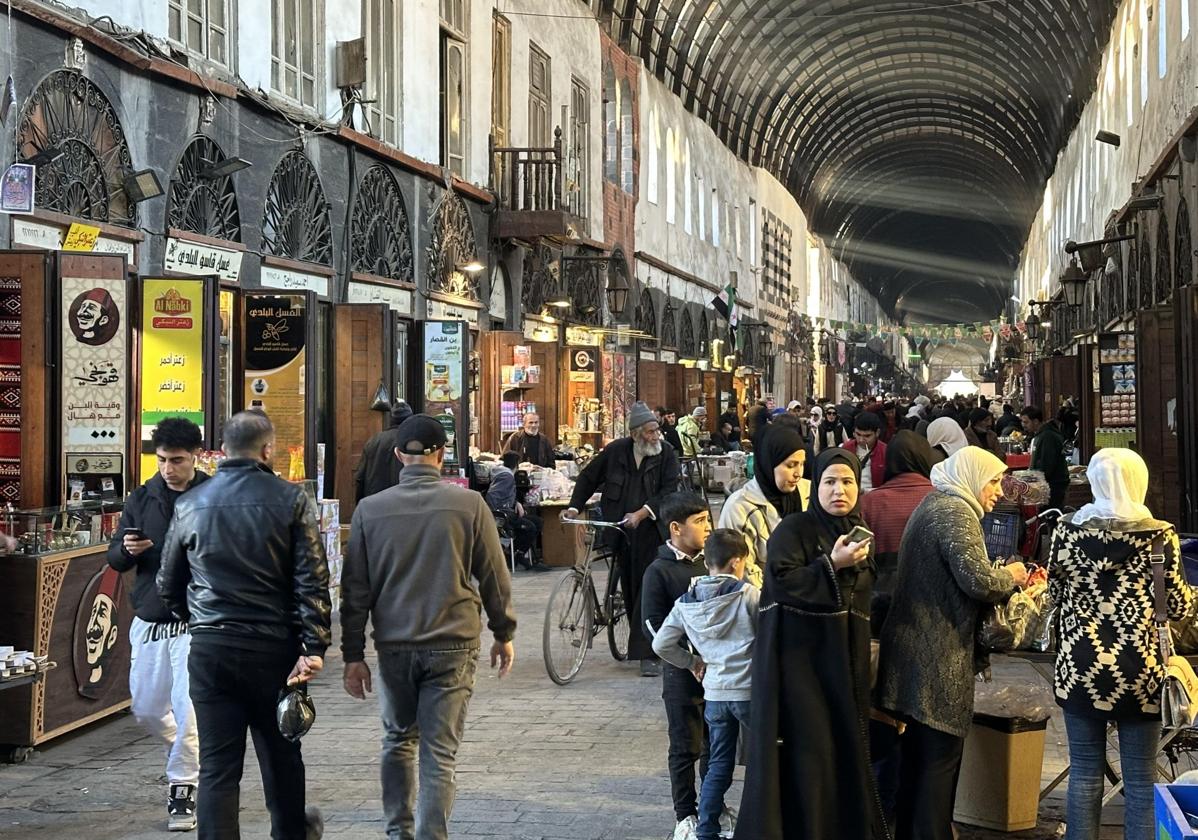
[(633, 475)]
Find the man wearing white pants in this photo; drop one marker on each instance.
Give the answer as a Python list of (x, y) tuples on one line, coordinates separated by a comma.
[(160, 642)]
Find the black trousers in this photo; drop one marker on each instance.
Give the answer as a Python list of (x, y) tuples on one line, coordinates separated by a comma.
[(526, 530), (233, 689), (688, 744), (931, 764)]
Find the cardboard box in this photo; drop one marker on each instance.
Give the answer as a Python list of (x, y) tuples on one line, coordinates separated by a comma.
[(999, 786)]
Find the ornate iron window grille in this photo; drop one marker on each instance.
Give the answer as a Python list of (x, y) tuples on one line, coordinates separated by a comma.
[(646, 314), (748, 347), (450, 246), (584, 283), (380, 237), (704, 336), (296, 222), (1164, 261), (1145, 270), (1131, 283), (669, 329), (1185, 250), (203, 205), (69, 113), (541, 269), (686, 336)]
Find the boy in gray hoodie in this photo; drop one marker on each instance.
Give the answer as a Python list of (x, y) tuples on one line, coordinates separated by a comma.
[(719, 616)]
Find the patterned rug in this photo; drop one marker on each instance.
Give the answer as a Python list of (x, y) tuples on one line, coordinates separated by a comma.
[(10, 390)]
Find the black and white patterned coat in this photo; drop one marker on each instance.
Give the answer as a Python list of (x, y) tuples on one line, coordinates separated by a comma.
[(1108, 662)]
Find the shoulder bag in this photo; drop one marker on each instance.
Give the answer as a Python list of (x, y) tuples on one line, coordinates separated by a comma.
[(1179, 691)]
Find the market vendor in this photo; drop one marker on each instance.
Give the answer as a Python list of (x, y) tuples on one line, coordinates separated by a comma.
[(528, 442), (633, 474), (1048, 452)]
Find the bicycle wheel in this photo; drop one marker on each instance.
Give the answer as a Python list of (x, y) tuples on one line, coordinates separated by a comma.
[(569, 620), (618, 622)]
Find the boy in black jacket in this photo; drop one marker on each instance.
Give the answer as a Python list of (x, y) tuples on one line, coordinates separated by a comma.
[(666, 580), (159, 642)]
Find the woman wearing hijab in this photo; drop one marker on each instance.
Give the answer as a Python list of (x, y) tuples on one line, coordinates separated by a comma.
[(887, 509), (1108, 666), (925, 676), (945, 437), (776, 490), (830, 433), (808, 775)]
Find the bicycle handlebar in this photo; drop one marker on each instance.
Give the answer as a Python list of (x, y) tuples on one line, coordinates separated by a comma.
[(1059, 513)]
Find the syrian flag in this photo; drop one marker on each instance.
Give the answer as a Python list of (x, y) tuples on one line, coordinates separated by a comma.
[(725, 304)]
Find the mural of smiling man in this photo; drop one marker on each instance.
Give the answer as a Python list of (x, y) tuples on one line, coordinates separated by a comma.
[(96, 636)]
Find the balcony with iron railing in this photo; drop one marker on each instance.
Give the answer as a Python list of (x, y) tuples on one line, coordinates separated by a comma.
[(539, 190)]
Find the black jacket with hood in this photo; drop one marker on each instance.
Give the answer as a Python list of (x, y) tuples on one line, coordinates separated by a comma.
[(150, 508), (667, 579)]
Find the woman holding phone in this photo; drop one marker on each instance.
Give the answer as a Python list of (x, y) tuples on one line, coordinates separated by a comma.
[(925, 677), (810, 680)]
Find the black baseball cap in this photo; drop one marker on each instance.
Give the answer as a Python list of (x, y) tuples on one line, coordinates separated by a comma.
[(421, 434)]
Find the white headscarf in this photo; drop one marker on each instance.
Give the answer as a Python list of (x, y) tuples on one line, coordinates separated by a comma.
[(915, 411), (946, 433), (966, 473), (1119, 480)]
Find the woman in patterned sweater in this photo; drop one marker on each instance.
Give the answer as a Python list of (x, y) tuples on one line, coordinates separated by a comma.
[(1108, 665)]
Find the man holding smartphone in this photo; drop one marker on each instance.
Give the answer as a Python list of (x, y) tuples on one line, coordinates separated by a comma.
[(159, 642)]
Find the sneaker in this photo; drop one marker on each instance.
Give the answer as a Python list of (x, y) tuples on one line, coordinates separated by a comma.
[(727, 822), (314, 820), (181, 808), (651, 668), (686, 828)]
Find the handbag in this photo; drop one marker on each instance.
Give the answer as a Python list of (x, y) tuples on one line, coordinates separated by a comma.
[(1179, 691)]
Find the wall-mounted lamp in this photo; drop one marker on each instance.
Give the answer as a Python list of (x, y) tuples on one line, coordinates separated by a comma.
[(617, 292), (472, 266), (1149, 201), (142, 186), (1073, 284), (46, 156), (1108, 137), (220, 169)]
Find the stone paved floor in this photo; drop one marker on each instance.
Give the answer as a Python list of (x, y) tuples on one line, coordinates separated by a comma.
[(538, 761)]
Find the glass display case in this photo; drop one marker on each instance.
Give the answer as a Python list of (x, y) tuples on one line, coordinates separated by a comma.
[(52, 529)]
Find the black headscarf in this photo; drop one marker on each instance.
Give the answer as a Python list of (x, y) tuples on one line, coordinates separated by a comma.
[(816, 525), (908, 452), (978, 415), (777, 443)]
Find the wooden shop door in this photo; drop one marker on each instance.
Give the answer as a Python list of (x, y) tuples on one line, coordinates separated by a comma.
[(1156, 392), (1185, 301), (362, 358)]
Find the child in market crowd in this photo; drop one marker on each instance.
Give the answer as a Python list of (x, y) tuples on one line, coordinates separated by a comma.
[(666, 580), (719, 616)]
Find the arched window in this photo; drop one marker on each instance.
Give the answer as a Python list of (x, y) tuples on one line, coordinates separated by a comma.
[(1164, 262), (296, 221), (687, 223), (201, 203), (451, 246), (627, 182), (654, 153), (646, 315), (1184, 274), (381, 240), (671, 177)]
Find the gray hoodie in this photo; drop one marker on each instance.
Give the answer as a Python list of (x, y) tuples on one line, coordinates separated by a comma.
[(719, 616)]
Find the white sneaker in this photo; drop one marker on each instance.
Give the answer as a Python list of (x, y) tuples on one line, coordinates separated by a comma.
[(685, 830), (181, 808), (727, 822)]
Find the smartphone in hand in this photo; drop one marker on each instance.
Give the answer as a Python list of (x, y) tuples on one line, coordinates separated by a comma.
[(859, 534)]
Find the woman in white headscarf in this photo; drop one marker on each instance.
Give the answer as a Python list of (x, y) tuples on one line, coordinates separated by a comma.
[(946, 437), (1108, 665), (925, 677)]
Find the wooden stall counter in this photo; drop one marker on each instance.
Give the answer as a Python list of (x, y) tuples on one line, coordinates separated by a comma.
[(70, 606)]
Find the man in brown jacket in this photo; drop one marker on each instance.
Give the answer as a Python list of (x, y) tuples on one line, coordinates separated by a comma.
[(413, 551)]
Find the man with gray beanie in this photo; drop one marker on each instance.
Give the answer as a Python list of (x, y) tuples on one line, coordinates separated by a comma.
[(379, 468), (690, 429), (633, 474)]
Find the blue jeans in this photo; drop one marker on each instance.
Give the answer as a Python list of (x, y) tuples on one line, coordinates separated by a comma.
[(723, 727), (424, 695), (1139, 741)]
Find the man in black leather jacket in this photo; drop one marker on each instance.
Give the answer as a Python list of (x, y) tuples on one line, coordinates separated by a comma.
[(243, 564)]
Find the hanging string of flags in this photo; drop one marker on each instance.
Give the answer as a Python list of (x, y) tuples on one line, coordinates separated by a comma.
[(933, 333)]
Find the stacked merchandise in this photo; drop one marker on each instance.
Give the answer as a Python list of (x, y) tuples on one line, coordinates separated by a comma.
[(520, 374), (511, 414), (1116, 378), (20, 663)]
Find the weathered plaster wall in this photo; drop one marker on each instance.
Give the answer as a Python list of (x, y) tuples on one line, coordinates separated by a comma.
[(1133, 100)]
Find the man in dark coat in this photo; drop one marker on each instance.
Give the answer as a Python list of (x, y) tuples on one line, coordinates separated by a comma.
[(379, 467), (633, 474), (1048, 453), (669, 428), (530, 444)]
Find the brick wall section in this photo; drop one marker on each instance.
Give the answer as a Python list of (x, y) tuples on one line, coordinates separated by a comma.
[(619, 207)]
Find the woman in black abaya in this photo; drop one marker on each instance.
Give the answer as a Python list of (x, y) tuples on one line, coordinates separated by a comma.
[(808, 774)]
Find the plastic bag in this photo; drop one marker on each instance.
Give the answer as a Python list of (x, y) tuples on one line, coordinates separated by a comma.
[(1019, 624), (1031, 700)]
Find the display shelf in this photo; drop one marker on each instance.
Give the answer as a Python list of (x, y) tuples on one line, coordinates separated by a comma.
[(584, 431), (518, 386)]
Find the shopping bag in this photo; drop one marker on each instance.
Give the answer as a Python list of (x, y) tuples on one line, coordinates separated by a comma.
[(1179, 690)]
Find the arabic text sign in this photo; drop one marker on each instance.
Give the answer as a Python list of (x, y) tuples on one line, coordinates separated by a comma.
[(275, 359), (185, 257), (81, 237), (94, 366), (172, 366)]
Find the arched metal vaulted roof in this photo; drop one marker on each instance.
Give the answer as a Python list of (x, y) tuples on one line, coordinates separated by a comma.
[(916, 134)]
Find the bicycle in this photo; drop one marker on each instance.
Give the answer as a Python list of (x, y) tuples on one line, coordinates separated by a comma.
[(574, 615)]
